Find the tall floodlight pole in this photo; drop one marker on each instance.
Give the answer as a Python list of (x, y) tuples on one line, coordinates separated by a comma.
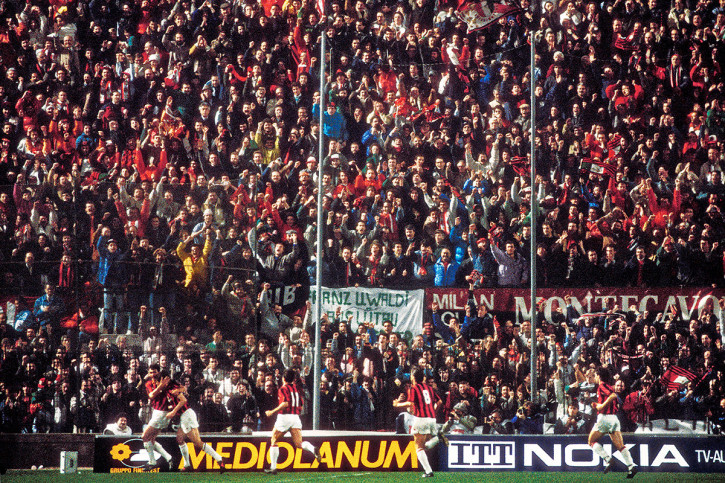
[(318, 269), (534, 205)]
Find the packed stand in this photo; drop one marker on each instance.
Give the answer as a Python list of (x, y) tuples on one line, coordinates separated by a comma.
[(159, 172)]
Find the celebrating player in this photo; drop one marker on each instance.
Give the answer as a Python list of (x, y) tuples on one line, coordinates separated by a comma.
[(157, 390), (423, 402), (607, 405), (288, 419), (189, 429)]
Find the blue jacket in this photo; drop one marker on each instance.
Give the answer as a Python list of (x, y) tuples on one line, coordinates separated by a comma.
[(111, 272), (54, 304), (334, 125), (363, 415), (445, 276), (448, 336)]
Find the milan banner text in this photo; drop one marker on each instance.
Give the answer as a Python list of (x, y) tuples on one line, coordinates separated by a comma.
[(690, 302)]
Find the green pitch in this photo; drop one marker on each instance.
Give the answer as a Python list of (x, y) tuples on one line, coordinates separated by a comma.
[(85, 476)]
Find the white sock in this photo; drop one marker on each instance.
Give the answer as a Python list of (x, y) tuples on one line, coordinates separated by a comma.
[(306, 445), (161, 450), (431, 443), (149, 445), (627, 457), (273, 455), (599, 449), (185, 454), (423, 460), (208, 450)]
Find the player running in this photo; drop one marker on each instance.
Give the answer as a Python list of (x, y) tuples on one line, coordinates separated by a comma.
[(423, 402), (157, 391), (607, 405), (288, 420), (189, 429)]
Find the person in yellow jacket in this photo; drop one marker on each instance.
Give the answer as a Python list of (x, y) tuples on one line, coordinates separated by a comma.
[(196, 263)]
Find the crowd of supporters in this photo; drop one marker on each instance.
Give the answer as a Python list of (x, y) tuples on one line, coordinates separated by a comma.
[(159, 172)]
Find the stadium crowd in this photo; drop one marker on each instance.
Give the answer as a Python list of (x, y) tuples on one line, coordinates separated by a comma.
[(158, 163)]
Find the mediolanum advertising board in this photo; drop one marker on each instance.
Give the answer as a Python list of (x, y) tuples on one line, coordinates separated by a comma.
[(572, 453), (115, 454)]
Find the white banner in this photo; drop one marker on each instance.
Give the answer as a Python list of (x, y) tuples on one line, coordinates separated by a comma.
[(404, 308)]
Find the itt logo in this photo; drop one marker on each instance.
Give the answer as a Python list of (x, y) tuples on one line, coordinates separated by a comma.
[(481, 455)]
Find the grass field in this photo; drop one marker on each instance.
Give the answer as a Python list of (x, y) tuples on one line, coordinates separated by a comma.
[(85, 476)]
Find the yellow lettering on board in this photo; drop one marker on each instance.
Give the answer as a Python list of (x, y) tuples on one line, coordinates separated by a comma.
[(221, 448), (263, 456), (353, 457), (326, 454), (290, 455), (195, 457), (401, 456), (298, 461), (365, 455), (243, 465)]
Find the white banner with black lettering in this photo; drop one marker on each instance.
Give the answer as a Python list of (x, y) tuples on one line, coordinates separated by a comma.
[(404, 308)]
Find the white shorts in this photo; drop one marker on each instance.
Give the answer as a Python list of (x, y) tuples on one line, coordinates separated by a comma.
[(158, 419), (285, 422), (607, 424), (424, 426), (188, 421)]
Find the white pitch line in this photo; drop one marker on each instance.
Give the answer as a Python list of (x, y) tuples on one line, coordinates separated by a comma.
[(329, 477)]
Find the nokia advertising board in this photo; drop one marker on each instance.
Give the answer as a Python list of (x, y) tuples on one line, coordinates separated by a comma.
[(572, 453)]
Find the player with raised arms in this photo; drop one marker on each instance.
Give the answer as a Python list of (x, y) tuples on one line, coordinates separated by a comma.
[(607, 406), (189, 428), (157, 390), (288, 420), (422, 402)]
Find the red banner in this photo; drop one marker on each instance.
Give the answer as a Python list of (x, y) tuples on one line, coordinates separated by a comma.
[(690, 302)]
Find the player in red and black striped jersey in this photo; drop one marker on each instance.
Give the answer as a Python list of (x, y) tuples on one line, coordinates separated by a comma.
[(607, 406), (425, 400), (604, 392), (188, 427), (290, 394), (422, 402), (288, 419), (158, 391)]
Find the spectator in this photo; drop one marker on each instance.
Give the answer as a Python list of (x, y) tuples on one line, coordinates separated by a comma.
[(242, 407), (112, 276), (573, 422)]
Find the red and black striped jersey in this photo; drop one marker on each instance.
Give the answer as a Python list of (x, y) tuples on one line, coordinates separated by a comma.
[(603, 392), (292, 396), (160, 402), (424, 400), (174, 400)]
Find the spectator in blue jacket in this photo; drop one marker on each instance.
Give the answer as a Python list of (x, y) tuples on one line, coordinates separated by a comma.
[(111, 275), (527, 420), (363, 400), (47, 308), (334, 122), (445, 270)]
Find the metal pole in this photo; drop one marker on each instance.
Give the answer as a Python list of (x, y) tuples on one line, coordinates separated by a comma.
[(534, 209), (318, 268)]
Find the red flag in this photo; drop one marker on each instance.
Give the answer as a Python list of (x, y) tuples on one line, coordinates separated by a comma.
[(676, 376), (478, 15), (520, 164), (613, 143)]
